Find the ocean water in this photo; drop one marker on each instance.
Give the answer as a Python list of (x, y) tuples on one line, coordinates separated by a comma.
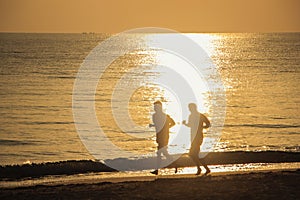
[(260, 73)]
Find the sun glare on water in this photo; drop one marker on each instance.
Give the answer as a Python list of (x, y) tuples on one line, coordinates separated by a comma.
[(178, 80), (154, 74)]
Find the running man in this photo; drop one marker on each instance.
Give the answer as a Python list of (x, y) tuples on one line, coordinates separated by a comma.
[(197, 122), (162, 123)]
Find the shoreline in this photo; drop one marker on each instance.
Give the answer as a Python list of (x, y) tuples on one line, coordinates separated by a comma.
[(72, 167), (269, 184), (145, 175)]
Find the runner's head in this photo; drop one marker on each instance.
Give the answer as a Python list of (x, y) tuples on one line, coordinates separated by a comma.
[(192, 107), (157, 106)]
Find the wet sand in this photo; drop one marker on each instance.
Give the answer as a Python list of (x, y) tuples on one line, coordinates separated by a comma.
[(255, 185)]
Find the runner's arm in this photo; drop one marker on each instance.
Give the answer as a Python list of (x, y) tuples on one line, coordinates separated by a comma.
[(206, 121), (171, 122)]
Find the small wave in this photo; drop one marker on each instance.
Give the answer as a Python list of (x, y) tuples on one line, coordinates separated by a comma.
[(48, 123), (52, 168), (16, 142), (64, 77), (264, 125)]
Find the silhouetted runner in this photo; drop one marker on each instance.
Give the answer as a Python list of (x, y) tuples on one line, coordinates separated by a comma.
[(162, 123), (197, 122)]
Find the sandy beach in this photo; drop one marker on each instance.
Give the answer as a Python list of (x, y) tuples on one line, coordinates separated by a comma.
[(255, 185)]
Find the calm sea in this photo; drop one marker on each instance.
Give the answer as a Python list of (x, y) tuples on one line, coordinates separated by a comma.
[(260, 72)]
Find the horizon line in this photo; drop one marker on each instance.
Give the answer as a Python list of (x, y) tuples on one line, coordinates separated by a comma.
[(92, 32)]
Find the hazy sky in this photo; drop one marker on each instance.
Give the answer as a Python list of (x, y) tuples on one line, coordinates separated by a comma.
[(118, 15)]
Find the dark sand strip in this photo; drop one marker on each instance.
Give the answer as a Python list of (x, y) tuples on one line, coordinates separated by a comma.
[(259, 185), (85, 166)]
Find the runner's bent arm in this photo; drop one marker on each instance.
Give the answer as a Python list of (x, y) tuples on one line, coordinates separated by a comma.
[(206, 121), (171, 122)]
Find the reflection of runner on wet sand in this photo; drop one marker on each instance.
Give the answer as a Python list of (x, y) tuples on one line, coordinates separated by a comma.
[(162, 123), (197, 122)]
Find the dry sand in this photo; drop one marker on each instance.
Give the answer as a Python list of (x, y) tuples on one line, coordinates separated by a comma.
[(256, 185)]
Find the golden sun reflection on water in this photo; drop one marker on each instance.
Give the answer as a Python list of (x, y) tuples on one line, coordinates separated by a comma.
[(161, 73), (175, 106)]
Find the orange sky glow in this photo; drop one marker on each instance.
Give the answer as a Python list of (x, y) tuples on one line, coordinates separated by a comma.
[(111, 16)]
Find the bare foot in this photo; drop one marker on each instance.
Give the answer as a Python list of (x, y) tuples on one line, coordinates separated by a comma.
[(207, 172), (198, 172), (155, 172)]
